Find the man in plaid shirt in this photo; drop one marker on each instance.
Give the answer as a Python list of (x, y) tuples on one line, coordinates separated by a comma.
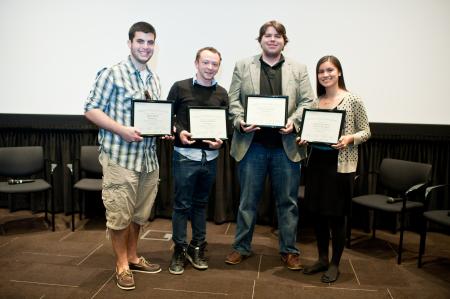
[(130, 164)]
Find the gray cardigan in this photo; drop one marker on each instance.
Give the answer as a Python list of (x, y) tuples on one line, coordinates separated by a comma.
[(356, 124)]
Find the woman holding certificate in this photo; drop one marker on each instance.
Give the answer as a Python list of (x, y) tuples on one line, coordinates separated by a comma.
[(331, 168)]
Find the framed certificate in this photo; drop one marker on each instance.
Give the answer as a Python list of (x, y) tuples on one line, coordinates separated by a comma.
[(322, 126), (152, 118), (266, 111), (207, 122)]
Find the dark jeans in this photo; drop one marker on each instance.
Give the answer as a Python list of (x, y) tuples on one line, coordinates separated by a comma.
[(193, 181), (285, 178)]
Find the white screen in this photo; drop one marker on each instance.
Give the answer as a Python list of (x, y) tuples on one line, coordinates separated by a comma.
[(394, 53)]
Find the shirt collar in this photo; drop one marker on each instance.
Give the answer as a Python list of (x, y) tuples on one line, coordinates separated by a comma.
[(276, 65), (132, 68), (195, 81)]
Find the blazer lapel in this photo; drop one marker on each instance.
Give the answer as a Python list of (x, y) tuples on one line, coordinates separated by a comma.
[(286, 78), (255, 72)]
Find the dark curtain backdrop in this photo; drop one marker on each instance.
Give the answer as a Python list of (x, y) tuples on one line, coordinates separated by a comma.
[(63, 135)]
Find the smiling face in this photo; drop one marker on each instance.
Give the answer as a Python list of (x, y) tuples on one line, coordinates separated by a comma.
[(141, 48), (328, 74), (272, 42), (207, 65)]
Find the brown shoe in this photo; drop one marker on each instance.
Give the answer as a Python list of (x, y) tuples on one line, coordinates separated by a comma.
[(144, 266), (292, 261), (235, 257), (125, 280)]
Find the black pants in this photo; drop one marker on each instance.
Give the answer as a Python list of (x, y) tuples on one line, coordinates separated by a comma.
[(323, 225)]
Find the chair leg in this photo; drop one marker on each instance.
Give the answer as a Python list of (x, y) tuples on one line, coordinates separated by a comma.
[(46, 206), (400, 244), (32, 201), (423, 237), (73, 211), (52, 203), (81, 201), (374, 224), (400, 248), (10, 201)]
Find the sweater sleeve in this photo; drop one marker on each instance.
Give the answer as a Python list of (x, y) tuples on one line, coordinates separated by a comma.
[(362, 129), (175, 98)]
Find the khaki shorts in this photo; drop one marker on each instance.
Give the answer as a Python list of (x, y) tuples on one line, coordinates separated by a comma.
[(128, 195)]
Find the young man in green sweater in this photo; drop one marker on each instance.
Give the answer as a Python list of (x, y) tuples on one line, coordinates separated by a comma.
[(194, 161)]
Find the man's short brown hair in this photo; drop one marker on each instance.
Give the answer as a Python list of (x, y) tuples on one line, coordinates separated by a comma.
[(278, 27), (210, 49)]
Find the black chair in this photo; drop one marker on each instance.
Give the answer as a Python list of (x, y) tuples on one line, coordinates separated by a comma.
[(400, 180), (441, 217), (91, 171), (23, 166)]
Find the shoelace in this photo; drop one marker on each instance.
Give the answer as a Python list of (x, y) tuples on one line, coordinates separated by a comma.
[(180, 257), (143, 261), (126, 273), (200, 253)]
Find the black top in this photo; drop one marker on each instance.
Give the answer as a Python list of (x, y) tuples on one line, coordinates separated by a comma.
[(270, 78), (185, 93), (270, 84)]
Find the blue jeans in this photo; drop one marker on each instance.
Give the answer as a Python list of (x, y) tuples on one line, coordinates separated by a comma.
[(193, 181), (285, 178)]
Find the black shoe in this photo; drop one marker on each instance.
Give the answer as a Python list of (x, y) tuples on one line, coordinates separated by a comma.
[(196, 256), (331, 275), (317, 267), (178, 261)]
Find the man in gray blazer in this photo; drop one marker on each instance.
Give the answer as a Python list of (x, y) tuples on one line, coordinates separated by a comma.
[(261, 150)]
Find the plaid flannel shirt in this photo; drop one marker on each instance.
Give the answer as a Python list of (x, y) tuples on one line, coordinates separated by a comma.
[(113, 92)]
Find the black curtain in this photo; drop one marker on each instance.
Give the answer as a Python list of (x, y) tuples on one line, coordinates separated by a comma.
[(63, 135)]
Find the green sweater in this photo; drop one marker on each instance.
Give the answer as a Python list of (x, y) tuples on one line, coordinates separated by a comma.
[(184, 94)]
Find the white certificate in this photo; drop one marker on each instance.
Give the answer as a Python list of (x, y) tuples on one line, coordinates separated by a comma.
[(322, 126), (266, 111), (152, 118), (208, 122)]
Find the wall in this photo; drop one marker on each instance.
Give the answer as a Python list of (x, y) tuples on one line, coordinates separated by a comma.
[(394, 53)]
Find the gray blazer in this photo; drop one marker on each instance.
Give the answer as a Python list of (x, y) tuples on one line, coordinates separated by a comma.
[(246, 80)]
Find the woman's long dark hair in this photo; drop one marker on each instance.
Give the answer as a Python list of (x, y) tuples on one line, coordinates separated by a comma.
[(341, 83)]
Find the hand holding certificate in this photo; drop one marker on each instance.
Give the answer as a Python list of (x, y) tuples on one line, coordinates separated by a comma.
[(208, 122), (266, 111), (152, 118), (322, 126)]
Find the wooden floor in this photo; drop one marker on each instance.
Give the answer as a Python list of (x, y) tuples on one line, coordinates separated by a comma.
[(38, 263)]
